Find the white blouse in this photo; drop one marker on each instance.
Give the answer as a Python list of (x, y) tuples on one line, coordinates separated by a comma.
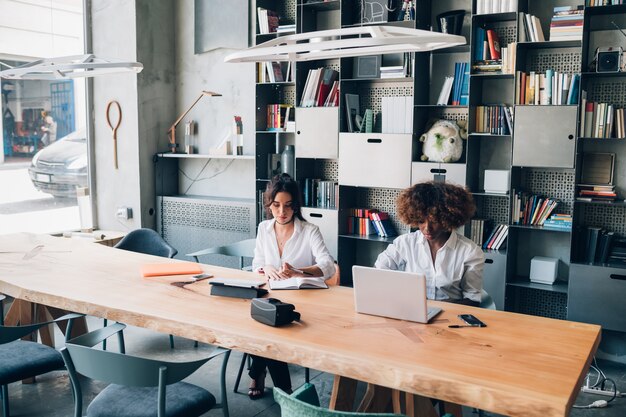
[(304, 248), (456, 274)]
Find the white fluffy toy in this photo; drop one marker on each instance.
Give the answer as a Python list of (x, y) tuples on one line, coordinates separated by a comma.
[(443, 142)]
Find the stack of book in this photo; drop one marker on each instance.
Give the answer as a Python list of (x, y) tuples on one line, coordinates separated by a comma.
[(567, 23), (455, 90), (559, 221), (478, 230), (320, 193), (397, 114), (551, 88), (494, 120), (617, 251), (497, 238), (487, 55), (602, 120), (596, 192), (274, 72), (321, 88), (593, 3), (359, 222), (532, 28), (278, 116), (268, 20), (531, 210), (495, 6), (286, 28), (602, 246), (382, 223), (396, 71)]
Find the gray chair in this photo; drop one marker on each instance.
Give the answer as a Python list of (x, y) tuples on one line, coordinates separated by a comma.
[(21, 359), (151, 243), (486, 301), (242, 249), (138, 387)]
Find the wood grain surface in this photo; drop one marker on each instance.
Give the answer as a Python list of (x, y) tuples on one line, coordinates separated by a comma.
[(519, 365)]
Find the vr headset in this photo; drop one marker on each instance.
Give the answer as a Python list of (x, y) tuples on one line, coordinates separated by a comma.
[(273, 312)]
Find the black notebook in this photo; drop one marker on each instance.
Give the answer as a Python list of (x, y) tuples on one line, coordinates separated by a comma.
[(237, 288)]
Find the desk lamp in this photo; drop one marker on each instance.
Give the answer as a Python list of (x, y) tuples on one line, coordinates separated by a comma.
[(172, 130)]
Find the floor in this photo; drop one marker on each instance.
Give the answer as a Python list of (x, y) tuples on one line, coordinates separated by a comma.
[(51, 395)]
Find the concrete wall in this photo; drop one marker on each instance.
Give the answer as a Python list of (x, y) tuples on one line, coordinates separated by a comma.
[(131, 31), (213, 115), (161, 36)]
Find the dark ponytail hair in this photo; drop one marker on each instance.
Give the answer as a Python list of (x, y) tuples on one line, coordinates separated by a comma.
[(283, 183)]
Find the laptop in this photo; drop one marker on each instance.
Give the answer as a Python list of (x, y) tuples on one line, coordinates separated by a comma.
[(394, 294)]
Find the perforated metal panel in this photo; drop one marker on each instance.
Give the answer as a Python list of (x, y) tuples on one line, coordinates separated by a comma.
[(611, 218), (554, 184), (541, 303), (493, 208), (607, 91), (286, 10), (192, 224), (327, 169), (564, 62), (288, 95), (383, 199), (506, 31)]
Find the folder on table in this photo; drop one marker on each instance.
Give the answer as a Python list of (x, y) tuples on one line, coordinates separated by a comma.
[(175, 268)]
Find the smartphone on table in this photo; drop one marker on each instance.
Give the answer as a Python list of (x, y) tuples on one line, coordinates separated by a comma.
[(471, 320)]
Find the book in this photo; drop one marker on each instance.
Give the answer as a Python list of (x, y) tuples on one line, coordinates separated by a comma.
[(494, 44), (352, 110), (297, 283)]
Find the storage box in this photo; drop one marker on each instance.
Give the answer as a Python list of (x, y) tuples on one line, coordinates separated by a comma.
[(543, 270), (497, 181)]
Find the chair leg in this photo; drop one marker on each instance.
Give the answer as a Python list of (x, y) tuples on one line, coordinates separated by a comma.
[(224, 400), (171, 342), (104, 342), (243, 363), (5, 400)]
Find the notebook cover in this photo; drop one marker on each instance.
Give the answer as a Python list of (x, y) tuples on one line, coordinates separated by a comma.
[(176, 268)]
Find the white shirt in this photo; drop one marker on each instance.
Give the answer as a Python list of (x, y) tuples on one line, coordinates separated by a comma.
[(304, 248), (456, 274)]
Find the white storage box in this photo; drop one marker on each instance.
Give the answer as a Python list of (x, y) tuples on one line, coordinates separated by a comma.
[(543, 270), (497, 181)]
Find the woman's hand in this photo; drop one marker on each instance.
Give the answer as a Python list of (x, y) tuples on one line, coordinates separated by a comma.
[(290, 272), (273, 273)]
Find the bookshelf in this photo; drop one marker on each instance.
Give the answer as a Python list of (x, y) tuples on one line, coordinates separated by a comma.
[(542, 152)]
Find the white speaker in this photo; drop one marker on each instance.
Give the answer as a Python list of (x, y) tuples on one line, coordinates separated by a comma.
[(543, 270)]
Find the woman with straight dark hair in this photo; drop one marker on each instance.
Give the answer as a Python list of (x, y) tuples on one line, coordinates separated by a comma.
[(287, 246)]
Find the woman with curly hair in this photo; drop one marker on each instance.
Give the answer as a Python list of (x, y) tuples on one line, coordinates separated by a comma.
[(453, 264)]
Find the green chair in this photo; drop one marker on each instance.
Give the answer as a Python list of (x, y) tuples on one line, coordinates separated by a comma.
[(21, 359), (138, 387), (304, 402), (149, 242)]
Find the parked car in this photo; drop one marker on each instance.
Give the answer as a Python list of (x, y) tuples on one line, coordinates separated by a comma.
[(62, 166)]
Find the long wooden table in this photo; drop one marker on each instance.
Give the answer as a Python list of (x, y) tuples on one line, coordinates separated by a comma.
[(519, 365)]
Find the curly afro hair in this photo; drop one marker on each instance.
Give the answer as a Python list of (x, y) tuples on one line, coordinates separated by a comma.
[(449, 205)]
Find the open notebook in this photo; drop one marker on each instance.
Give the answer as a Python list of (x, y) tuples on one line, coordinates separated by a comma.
[(297, 283)]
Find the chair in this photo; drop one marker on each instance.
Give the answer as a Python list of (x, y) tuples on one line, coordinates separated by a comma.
[(151, 243), (22, 359), (332, 281), (138, 386), (486, 301), (146, 241), (242, 249), (304, 402)]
